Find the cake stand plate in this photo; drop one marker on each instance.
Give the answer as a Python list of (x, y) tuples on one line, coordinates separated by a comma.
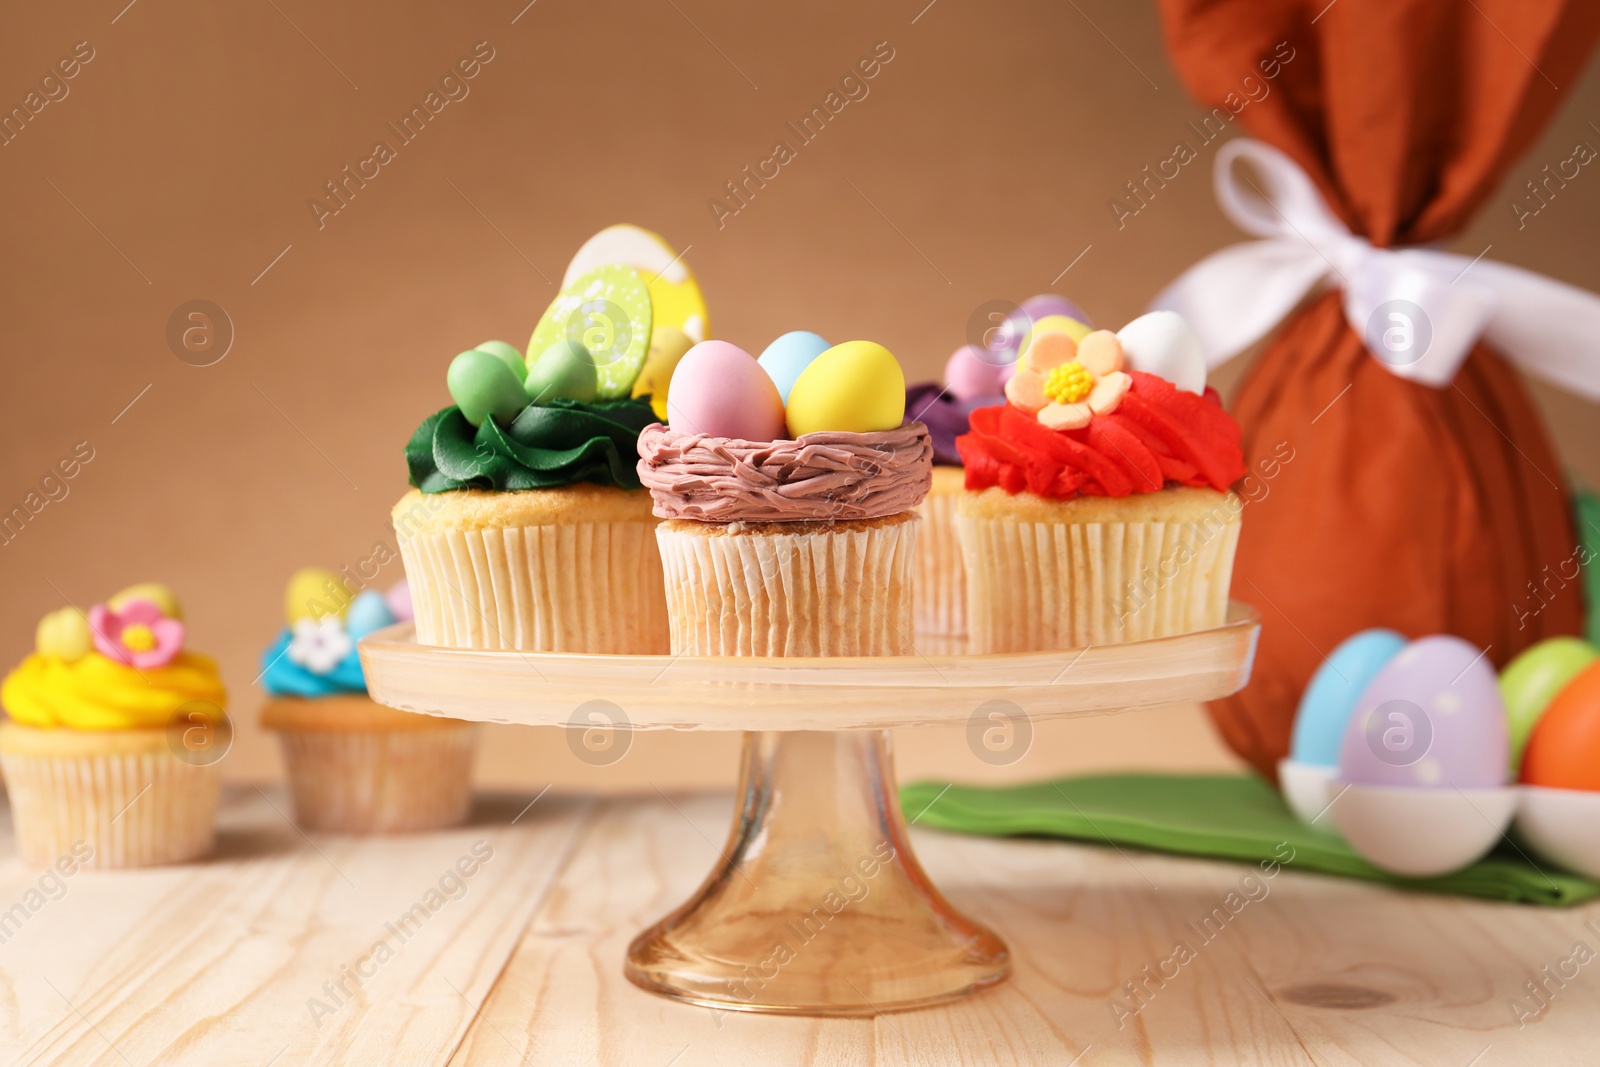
[(818, 906)]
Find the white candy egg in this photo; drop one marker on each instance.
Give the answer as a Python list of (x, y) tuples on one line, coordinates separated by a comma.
[(1162, 343)]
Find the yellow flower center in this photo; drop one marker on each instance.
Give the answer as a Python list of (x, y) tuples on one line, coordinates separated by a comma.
[(1068, 383), (138, 638)]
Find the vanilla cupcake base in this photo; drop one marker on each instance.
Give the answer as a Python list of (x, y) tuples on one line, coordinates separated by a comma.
[(790, 589), (356, 766), (121, 796), (941, 579), (574, 569), (1056, 574)]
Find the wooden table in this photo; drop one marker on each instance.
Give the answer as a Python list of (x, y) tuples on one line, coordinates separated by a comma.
[(238, 960)]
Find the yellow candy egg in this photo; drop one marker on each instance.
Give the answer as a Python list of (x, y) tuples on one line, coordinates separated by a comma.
[(1058, 324), (667, 346), (63, 634), (856, 387), (314, 593), (155, 592)]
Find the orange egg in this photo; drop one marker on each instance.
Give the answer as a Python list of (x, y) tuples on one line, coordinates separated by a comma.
[(1564, 751)]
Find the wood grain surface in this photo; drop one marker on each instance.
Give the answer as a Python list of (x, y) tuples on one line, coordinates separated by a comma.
[(520, 962)]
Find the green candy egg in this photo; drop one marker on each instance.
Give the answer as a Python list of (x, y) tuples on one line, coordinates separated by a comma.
[(608, 312), (482, 385), (507, 354), (565, 369), (1531, 681)]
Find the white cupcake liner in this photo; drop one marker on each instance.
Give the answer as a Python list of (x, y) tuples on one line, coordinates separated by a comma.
[(941, 578), (134, 809), (1036, 586), (571, 587), (844, 590)]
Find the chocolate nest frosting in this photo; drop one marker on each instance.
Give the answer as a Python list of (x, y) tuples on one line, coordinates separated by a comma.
[(818, 476)]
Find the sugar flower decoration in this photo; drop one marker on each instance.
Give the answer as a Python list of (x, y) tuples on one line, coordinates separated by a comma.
[(136, 634), (1065, 384), (319, 646)]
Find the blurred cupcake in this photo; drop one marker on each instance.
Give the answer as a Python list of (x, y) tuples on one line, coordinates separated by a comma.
[(1098, 507), (787, 488), (111, 749), (354, 765), (527, 527)]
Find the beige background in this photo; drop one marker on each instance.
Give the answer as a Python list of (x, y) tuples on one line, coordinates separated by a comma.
[(179, 167)]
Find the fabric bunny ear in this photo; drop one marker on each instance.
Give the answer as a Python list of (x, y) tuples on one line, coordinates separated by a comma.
[(1378, 501)]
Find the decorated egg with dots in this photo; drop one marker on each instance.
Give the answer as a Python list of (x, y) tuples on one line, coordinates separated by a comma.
[(1432, 717), (608, 311), (855, 387), (719, 389), (674, 293)]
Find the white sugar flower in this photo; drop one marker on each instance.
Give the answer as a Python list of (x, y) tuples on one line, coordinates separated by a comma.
[(319, 647)]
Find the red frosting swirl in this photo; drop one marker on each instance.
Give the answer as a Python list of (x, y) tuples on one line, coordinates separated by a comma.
[(1159, 435)]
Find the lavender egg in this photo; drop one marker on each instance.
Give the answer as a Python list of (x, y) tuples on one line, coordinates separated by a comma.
[(1046, 304), (1433, 717)]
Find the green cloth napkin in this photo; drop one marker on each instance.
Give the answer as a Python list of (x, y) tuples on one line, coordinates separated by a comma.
[(1224, 816)]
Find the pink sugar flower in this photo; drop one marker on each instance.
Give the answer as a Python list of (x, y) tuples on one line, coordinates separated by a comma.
[(138, 635)]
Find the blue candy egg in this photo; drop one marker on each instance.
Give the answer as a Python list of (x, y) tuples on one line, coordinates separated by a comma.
[(368, 612), (1331, 698), (790, 354)]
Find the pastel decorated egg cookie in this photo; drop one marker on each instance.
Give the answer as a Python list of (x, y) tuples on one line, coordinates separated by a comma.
[(608, 311), (674, 292)]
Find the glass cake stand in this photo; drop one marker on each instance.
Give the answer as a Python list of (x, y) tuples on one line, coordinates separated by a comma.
[(818, 906)]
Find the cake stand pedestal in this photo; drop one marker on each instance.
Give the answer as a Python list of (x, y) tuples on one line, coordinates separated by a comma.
[(817, 905)]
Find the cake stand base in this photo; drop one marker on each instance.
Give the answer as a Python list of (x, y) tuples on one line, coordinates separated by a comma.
[(818, 906)]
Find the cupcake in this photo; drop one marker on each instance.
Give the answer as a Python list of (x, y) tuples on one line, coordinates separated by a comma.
[(1097, 507), (787, 488), (527, 527), (974, 377), (115, 731), (354, 765)]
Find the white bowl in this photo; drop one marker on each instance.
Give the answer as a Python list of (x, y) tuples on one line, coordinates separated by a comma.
[(1562, 826), (1420, 832), (1307, 790)]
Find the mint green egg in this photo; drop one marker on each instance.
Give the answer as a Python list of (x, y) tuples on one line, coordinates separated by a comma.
[(507, 354), (565, 369), (482, 385), (608, 312)]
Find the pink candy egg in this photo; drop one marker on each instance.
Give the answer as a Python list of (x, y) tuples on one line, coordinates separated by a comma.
[(399, 600), (970, 373), (720, 390)]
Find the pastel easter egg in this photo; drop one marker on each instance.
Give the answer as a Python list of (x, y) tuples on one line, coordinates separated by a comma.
[(1163, 344), (507, 354), (314, 593), (1531, 681), (785, 358), (1073, 328), (369, 611), (969, 374), (1564, 749), (856, 387), (398, 598), (608, 311), (63, 634), (674, 293), (483, 386), (564, 370), (668, 346), (156, 593), (1330, 699), (1046, 305), (719, 389), (1432, 717)]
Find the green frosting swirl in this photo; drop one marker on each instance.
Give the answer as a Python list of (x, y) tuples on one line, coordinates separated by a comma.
[(559, 442)]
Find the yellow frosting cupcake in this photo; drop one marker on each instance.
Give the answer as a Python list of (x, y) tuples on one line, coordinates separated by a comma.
[(114, 737)]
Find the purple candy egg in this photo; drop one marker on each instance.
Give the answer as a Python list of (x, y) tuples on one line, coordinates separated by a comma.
[(1047, 304), (1433, 717)]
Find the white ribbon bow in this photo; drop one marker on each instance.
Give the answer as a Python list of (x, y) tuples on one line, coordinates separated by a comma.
[(1419, 310)]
